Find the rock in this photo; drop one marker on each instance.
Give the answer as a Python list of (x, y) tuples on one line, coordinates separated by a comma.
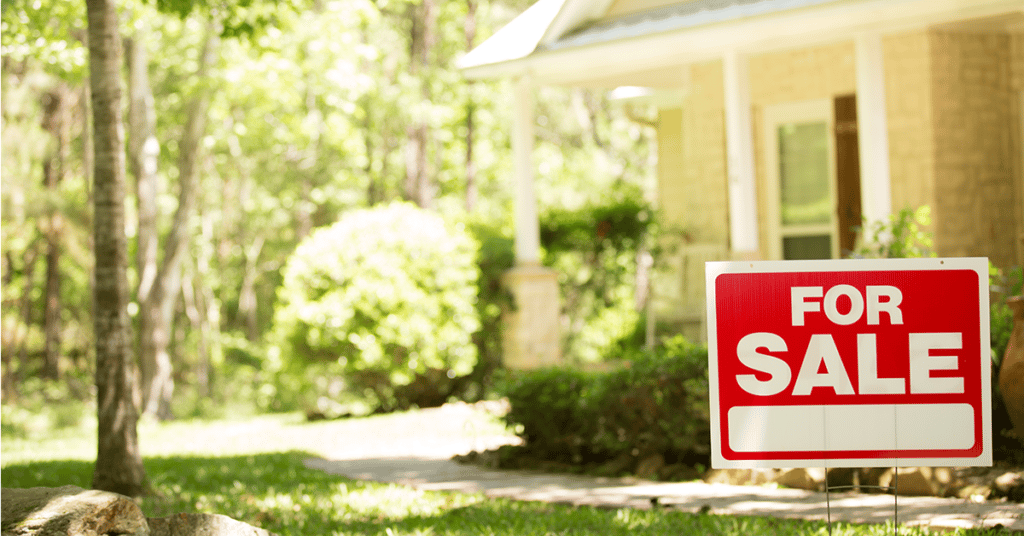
[(919, 480), (73, 511), (974, 492), (1011, 370), (648, 467), (809, 478), (1009, 480), (202, 525), (740, 477), (69, 510)]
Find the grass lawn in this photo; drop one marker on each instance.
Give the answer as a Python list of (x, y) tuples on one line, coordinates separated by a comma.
[(252, 471)]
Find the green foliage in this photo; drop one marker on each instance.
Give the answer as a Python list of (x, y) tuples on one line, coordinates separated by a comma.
[(496, 257), (49, 34), (388, 295), (45, 407), (549, 410), (903, 236), (1003, 284), (657, 403), (595, 250)]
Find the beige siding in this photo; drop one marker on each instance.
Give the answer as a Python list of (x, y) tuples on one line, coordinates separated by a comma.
[(975, 205), (692, 197), (1017, 139), (909, 109), (792, 76), (955, 107)]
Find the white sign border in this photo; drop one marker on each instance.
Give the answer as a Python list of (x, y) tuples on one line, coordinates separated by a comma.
[(977, 264)]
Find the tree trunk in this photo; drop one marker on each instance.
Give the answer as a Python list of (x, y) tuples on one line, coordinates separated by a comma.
[(118, 463), (143, 150), (247, 301), (158, 310), (419, 187), (471, 187), (55, 120)]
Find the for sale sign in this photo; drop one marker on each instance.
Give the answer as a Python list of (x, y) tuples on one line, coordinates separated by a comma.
[(857, 363)]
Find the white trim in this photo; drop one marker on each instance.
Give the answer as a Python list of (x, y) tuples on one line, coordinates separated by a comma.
[(659, 98), (572, 15), (872, 129), (792, 112), (739, 141), (797, 28), (527, 227)]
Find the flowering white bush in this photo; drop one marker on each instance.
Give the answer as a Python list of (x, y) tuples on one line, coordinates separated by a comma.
[(386, 293)]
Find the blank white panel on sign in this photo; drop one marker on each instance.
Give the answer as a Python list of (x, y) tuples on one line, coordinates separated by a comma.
[(850, 428)]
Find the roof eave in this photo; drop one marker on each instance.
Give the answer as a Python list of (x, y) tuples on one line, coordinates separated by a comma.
[(806, 27)]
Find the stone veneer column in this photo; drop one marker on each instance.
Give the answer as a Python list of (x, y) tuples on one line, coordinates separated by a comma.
[(531, 336), (530, 322)]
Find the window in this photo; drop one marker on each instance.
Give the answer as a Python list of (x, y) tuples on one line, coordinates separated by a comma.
[(799, 149)]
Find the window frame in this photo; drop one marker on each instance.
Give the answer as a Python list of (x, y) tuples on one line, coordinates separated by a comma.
[(774, 116)]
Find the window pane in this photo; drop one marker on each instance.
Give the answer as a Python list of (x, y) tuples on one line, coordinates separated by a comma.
[(802, 248), (803, 173)]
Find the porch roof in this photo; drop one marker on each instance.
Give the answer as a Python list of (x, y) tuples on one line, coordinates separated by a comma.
[(568, 42)]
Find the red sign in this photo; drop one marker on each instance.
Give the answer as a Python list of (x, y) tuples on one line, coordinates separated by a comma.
[(856, 363)]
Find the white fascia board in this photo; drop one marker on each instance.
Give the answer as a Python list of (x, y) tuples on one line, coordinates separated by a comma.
[(785, 30), (514, 41), (573, 14)]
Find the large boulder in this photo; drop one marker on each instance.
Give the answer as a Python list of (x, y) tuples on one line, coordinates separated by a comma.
[(73, 511), (69, 510)]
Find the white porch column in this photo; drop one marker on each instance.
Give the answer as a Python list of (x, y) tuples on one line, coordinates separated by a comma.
[(531, 336), (527, 239), (739, 141), (872, 129)]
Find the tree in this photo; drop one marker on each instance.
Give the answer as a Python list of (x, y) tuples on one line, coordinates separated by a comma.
[(118, 461), (160, 285)]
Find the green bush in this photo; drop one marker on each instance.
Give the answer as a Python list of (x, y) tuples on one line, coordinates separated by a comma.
[(594, 249), (655, 404), (386, 298), (497, 256), (548, 408)]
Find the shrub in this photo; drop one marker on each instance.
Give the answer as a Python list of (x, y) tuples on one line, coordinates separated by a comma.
[(594, 249), (903, 236), (496, 257), (386, 297), (656, 404), (548, 409)]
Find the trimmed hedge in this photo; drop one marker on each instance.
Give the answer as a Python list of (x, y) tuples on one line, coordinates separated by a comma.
[(656, 403)]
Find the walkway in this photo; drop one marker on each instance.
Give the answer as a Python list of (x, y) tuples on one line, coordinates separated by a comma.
[(422, 459)]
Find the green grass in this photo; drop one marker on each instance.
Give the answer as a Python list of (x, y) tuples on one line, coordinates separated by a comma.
[(253, 471)]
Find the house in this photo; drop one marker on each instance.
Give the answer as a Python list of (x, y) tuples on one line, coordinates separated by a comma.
[(782, 123)]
